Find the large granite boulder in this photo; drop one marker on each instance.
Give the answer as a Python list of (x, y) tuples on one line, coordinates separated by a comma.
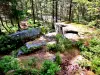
[(26, 33)]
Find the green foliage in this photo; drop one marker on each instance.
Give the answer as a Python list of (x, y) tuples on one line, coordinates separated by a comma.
[(92, 53), (44, 29), (26, 72), (9, 63), (25, 50), (49, 68), (81, 46), (95, 49), (96, 64), (58, 58), (94, 41), (7, 44), (92, 23), (51, 47), (32, 62), (63, 44), (31, 23), (87, 55)]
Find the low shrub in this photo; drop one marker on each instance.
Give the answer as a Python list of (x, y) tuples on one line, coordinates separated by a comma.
[(87, 55), (92, 53), (44, 29), (80, 44), (7, 44), (96, 65), (63, 43), (25, 50), (8, 63), (26, 72), (94, 41), (58, 58), (32, 62), (51, 47), (49, 68), (92, 23)]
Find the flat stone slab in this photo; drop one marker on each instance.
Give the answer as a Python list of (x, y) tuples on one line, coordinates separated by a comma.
[(71, 36), (51, 42), (36, 43), (53, 34)]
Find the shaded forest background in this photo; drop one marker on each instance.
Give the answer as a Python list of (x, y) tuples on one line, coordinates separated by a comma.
[(46, 12)]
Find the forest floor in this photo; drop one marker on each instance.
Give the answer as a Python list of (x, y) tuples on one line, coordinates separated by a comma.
[(69, 57)]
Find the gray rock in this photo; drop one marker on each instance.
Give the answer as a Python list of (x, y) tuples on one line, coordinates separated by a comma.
[(35, 44), (26, 33), (20, 53)]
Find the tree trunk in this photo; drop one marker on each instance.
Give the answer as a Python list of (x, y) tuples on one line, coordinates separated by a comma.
[(70, 9), (56, 10), (33, 12), (17, 18), (53, 14), (3, 24), (11, 22)]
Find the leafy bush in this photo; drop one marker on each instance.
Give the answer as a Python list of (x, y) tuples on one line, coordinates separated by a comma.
[(92, 53), (26, 72), (44, 30), (95, 49), (58, 58), (63, 43), (51, 47), (7, 44), (31, 23), (32, 62), (81, 46), (94, 41), (9, 63), (92, 23), (87, 55), (25, 50), (96, 65), (49, 68)]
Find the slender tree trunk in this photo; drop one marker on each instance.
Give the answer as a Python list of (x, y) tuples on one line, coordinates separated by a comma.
[(33, 12), (78, 15), (56, 10), (11, 22), (17, 18), (3, 24), (70, 9), (53, 2)]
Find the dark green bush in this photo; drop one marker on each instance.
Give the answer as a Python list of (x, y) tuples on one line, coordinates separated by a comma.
[(7, 44), (49, 68), (26, 72), (8, 63)]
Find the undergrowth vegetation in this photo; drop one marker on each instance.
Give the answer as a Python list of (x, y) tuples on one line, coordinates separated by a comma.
[(7, 44), (91, 52), (9, 63), (63, 44)]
